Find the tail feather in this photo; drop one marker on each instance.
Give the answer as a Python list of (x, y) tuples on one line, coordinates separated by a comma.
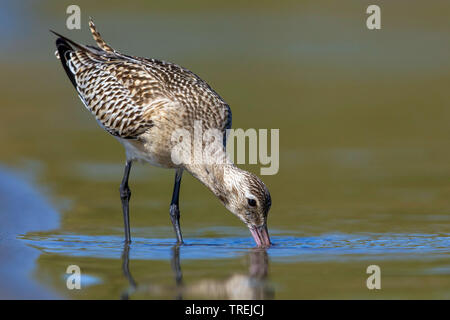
[(98, 38), (81, 47), (77, 45), (65, 46), (63, 49)]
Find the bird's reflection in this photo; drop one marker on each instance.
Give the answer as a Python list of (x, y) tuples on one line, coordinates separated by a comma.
[(126, 271), (251, 285), (176, 267)]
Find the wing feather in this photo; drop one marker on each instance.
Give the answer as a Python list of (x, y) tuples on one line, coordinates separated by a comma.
[(126, 93), (118, 93)]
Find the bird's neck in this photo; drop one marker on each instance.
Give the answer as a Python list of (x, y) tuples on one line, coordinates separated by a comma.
[(215, 177)]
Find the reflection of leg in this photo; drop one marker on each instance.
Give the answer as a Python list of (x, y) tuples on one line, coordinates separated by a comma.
[(174, 207), (259, 264), (258, 271), (126, 271), (176, 267), (125, 195)]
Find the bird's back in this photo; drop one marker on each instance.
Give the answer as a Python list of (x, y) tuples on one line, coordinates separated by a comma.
[(131, 96)]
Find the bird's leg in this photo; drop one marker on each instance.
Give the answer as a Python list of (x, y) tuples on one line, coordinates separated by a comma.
[(174, 208), (125, 194)]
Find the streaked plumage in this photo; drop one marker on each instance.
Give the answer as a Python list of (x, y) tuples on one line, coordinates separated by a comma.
[(142, 102)]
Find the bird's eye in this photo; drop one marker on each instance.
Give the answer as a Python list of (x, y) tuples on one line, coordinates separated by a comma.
[(251, 202)]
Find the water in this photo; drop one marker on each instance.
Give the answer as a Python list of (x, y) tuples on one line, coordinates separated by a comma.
[(252, 280), (285, 249), (364, 158), (193, 261)]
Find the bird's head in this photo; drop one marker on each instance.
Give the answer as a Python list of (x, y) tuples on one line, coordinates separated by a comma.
[(241, 192), (248, 198)]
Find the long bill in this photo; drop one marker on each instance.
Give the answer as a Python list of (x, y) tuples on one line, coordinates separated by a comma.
[(261, 236)]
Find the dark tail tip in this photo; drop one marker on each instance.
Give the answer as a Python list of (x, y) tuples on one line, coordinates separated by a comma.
[(64, 49)]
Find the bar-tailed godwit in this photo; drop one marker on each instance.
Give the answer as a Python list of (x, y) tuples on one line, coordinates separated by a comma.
[(142, 102)]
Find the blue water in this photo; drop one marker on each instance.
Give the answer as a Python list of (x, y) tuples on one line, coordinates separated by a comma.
[(286, 248)]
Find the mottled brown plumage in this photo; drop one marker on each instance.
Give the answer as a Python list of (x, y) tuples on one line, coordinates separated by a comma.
[(142, 102)]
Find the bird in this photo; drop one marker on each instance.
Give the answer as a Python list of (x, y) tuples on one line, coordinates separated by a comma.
[(144, 103)]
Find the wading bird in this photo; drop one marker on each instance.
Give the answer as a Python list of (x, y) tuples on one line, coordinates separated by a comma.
[(142, 102)]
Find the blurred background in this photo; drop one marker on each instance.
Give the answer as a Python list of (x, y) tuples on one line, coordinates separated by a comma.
[(364, 152)]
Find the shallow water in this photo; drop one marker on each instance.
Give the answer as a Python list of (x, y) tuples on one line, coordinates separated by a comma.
[(284, 249), (364, 158), (205, 267)]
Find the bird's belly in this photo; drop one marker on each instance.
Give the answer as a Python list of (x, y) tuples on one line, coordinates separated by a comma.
[(149, 151)]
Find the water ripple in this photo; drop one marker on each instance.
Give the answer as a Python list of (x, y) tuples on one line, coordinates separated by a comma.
[(286, 248)]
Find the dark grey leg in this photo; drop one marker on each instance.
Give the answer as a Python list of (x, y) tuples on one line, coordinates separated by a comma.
[(125, 194), (174, 208)]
